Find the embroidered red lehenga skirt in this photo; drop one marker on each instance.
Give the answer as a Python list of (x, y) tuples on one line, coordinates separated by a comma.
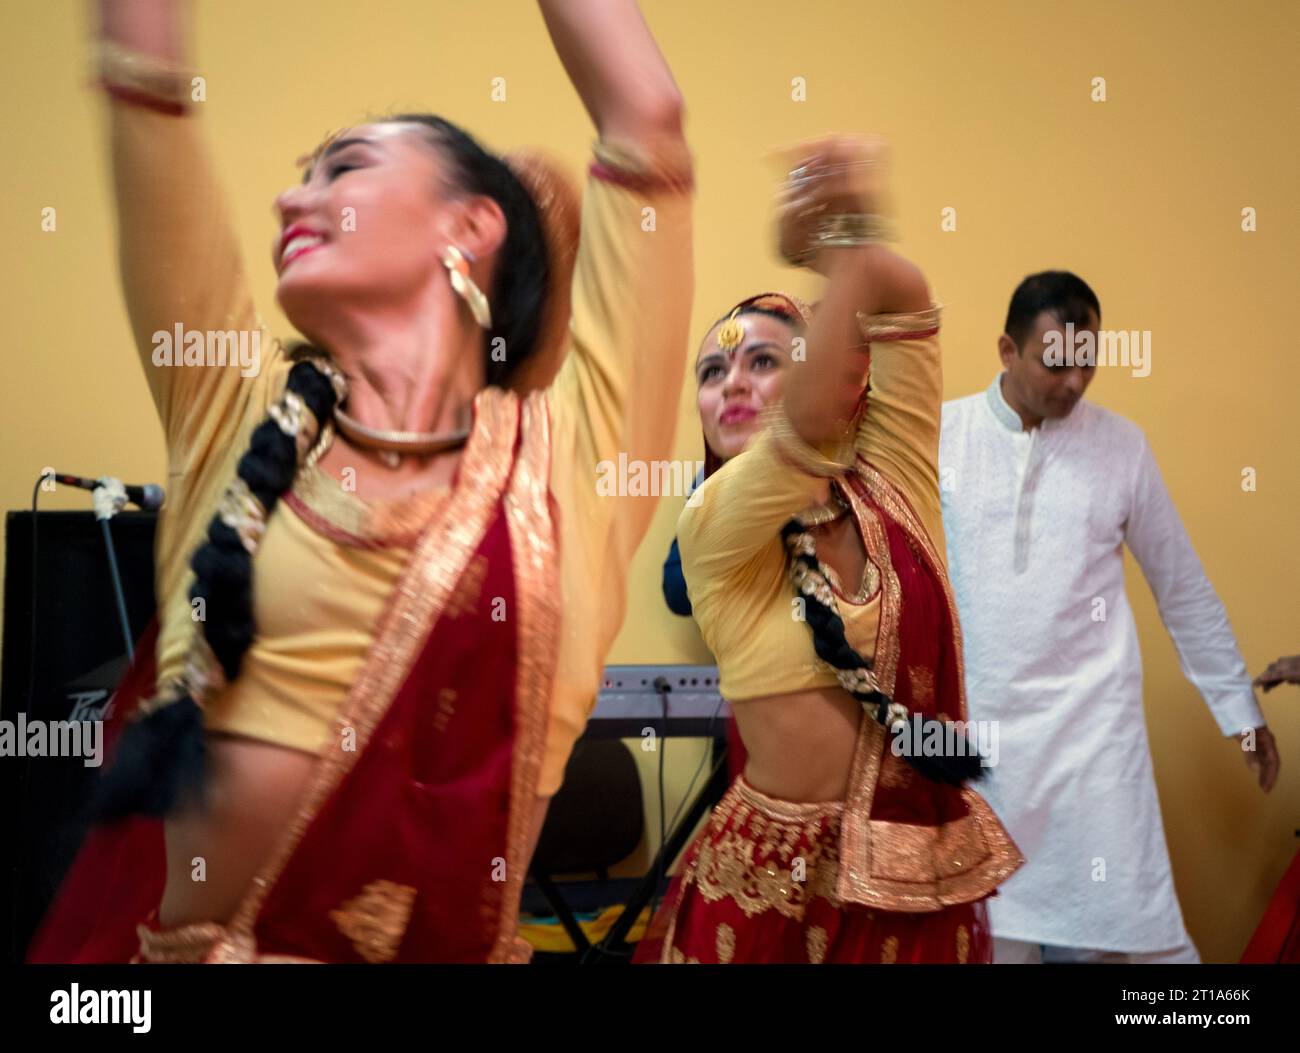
[(758, 885)]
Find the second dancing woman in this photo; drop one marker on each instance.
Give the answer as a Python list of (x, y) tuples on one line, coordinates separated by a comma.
[(815, 565)]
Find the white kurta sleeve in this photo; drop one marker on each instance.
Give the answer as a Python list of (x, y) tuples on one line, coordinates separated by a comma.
[(1190, 608)]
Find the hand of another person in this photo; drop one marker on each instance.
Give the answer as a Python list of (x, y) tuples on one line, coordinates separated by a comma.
[(1263, 759), (1285, 670)]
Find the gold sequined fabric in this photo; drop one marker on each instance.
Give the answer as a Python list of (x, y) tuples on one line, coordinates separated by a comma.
[(183, 945), (203, 943), (376, 919), (766, 854)]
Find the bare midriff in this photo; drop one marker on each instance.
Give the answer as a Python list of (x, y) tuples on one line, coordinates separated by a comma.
[(253, 790), (800, 744)]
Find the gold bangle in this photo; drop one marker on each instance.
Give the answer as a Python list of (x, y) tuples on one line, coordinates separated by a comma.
[(850, 229), (876, 327), (842, 230), (145, 74)]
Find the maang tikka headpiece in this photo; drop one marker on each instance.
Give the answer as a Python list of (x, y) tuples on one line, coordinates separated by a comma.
[(732, 333)]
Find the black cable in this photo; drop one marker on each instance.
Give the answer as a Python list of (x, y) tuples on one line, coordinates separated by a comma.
[(663, 687), (26, 708), (657, 901), (708, 734), (602, 948)]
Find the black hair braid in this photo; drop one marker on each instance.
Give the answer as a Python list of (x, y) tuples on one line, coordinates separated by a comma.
[(833, 647), (223, 567), (161, 759)]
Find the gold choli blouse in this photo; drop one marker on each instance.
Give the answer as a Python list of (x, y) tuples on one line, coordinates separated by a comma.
[(733, 557), (318, 592)]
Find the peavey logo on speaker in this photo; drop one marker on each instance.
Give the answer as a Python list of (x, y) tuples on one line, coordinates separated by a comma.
[(53, 738), (102, 1007)]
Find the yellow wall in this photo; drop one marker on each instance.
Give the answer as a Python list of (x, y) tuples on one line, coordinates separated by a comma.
[(987, 108)]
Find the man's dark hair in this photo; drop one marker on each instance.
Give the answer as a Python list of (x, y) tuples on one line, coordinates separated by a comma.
[(1065, 295)]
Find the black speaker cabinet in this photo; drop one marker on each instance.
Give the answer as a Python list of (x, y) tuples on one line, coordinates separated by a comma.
[(63, 664)]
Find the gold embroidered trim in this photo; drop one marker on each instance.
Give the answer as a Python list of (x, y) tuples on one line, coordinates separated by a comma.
[(785, 811), (895, 773), (963, 944), (725, 943), (889, 951), (201, 943), (815, 940), (367, 523), (885, 663), (533, 549), (854, 880), (183, 945), (921, 681), (446, 709), (376, 919), (893, 326), (914, 869), (751, 854), (410, 613), (468, 589), (910, 853), (864, 592)]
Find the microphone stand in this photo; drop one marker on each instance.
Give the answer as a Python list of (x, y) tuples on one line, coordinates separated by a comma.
[(110, 498)]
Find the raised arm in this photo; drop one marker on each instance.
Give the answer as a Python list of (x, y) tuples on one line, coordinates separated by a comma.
[(840, 178), (876, 316), (617, 390), (633, 280), (179, 261), (616, 67)]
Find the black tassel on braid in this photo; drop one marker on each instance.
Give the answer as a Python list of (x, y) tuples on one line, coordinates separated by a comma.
[(833, 647), (161, 760)]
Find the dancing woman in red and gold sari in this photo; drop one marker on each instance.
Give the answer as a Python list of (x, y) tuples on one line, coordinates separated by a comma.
[(386, 580), (815, 565)]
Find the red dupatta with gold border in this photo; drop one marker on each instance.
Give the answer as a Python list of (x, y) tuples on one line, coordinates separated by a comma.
[(909, 843), (412, 846)]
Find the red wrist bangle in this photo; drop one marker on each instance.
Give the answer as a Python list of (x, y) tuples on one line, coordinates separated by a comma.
[(139, 98)]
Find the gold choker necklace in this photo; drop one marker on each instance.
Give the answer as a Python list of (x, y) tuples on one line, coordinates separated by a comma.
[(392, 446), (820, 515)]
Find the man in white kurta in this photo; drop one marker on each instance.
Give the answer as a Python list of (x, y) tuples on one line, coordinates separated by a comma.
[(1036, 520)]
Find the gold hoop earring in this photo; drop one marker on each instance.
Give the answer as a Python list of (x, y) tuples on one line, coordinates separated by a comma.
[(463, 285)]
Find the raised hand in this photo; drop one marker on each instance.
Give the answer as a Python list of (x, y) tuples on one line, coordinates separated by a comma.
[(836, 175), (1285, 670)]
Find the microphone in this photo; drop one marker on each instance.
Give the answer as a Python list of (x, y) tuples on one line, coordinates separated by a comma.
[(150, 497)]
